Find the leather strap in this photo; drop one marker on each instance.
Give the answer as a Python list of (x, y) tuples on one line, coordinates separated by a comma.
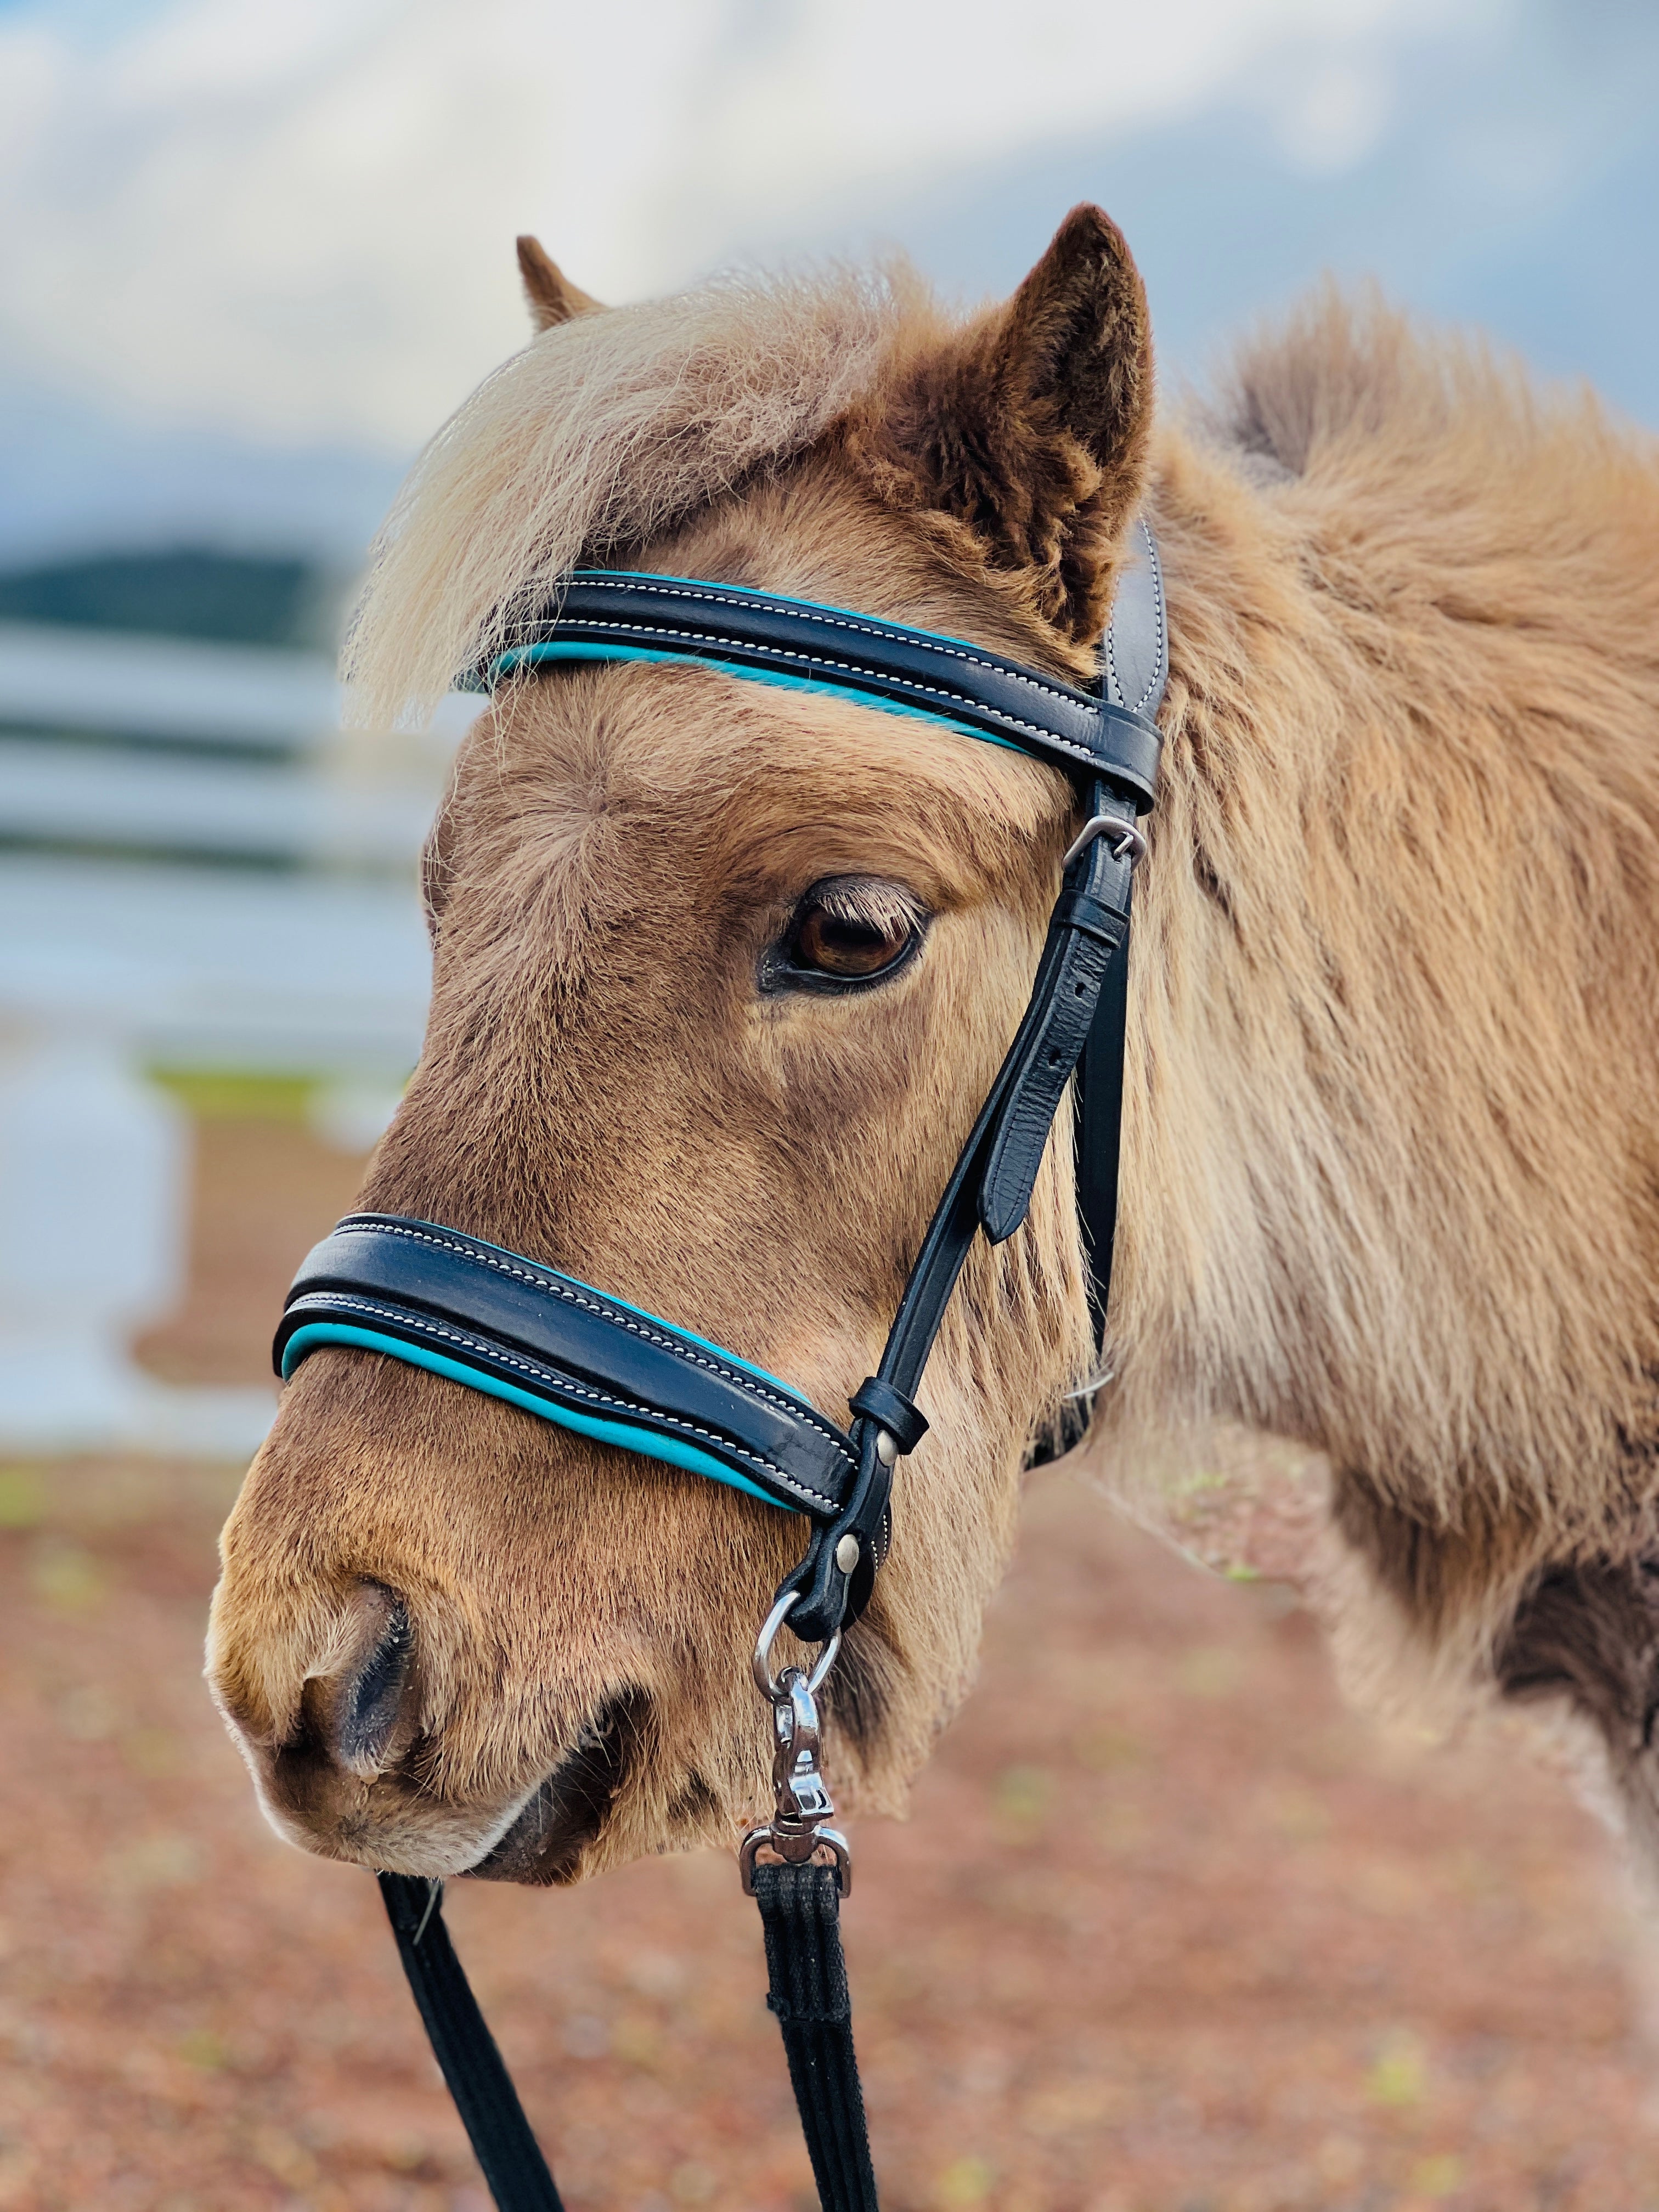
[(1098, 1119), (1077, 1007), (990, 1187), (504, 1324), (1135, 653), (612, 615), (1135, 672)]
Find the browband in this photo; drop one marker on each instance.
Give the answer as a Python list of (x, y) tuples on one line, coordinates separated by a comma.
[(614, 616), (519, 1330)]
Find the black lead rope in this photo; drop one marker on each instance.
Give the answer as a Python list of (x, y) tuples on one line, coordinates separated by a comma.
[(800, 1917), (502, 2140)]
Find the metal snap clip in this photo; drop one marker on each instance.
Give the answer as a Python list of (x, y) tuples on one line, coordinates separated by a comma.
[(796, 1834)]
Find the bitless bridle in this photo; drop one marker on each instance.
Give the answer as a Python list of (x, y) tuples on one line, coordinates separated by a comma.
[(498, 1322)]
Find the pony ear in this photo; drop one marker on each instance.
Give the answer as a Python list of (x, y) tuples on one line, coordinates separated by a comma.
[(553, 298), (1030, 428)]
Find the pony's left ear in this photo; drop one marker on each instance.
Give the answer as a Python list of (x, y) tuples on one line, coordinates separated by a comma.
[(549, 294), (1030, 428)]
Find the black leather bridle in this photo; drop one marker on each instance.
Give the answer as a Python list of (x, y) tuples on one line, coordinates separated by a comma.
[(496, 1322)]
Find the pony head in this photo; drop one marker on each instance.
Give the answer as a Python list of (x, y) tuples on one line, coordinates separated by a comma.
[(721, 975)]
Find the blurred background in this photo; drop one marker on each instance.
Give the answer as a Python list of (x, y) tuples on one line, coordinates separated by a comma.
[(250, 257)]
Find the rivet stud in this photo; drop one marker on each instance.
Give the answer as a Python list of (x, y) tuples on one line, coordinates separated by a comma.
[(846, 1553), (886, 1447)]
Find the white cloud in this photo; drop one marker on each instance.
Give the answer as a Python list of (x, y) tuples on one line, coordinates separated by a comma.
[(1332, 116), (297, 221)]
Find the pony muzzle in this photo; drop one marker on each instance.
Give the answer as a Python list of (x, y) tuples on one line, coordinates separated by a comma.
[(348, 1776)]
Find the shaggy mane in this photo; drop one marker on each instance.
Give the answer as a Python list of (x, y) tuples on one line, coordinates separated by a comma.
[(1347, 370), (602, 432)]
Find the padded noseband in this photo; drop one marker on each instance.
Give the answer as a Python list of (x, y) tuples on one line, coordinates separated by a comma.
[(558, 1347)]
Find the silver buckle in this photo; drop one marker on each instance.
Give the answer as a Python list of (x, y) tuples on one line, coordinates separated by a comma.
[(1131, 844)]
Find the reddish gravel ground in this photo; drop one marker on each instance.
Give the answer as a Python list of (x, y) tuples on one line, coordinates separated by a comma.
[(1170, 1932)]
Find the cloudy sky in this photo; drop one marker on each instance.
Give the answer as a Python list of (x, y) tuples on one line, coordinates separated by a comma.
[(250, 255)]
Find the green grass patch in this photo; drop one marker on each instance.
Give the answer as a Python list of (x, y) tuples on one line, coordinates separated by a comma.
[(22, 1497), (229, 1095)]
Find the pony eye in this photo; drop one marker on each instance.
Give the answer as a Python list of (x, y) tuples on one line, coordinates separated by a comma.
[(849, 931), (832, 945)]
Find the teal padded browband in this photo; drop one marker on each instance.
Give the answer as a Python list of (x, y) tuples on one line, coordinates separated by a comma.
[(616, 615), (531, 657)]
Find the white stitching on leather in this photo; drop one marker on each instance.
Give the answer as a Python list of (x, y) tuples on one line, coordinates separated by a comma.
[(1160, 661), (848, 668), (544, 1368), (1160, 653), (891, 632), (794, 1406)]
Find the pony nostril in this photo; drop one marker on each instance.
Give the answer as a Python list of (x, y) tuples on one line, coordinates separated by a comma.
[(370, 1701)]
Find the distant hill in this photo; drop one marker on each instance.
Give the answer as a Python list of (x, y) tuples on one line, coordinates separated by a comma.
[(188, 592)]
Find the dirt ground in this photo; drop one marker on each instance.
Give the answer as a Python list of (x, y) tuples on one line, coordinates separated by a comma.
[(1170, 1931)]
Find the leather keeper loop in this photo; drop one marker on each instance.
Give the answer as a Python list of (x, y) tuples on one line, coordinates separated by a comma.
[(890, 1409), (1091, 917)]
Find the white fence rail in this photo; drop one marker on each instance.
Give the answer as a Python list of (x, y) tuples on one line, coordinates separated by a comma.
[(198, 870)]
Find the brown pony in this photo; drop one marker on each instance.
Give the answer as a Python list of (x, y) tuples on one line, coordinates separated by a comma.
[(1391, 1156)]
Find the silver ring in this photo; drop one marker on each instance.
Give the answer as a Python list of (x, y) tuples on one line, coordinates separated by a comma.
[(1130, 842), (762, 1661)]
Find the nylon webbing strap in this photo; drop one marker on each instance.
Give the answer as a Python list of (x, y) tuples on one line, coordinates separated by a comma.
[(501, 2138), (800, 1917)]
